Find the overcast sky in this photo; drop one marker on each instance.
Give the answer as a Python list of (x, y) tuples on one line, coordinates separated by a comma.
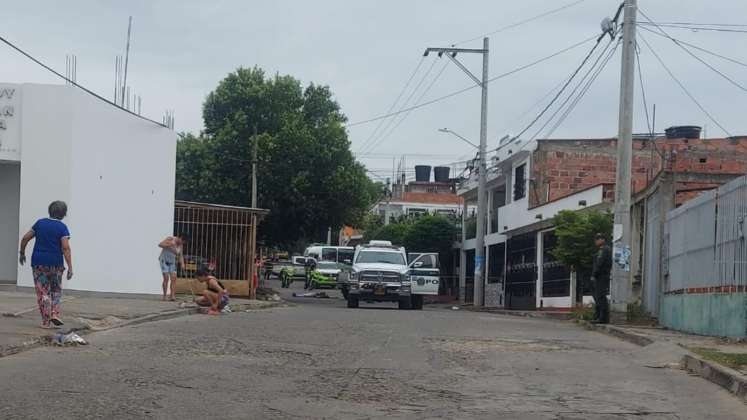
[(366, 50)]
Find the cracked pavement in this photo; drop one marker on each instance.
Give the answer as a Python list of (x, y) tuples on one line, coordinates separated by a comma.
[(318, 359)]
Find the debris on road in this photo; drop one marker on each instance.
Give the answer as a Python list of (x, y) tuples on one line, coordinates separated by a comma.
[(454, 308), (321, 295), (62, 339)]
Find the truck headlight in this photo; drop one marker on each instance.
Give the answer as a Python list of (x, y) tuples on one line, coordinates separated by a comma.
[(353, 276), (404, 278)]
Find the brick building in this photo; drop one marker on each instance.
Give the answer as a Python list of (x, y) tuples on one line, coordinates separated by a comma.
[(563, 167), (529, 182)]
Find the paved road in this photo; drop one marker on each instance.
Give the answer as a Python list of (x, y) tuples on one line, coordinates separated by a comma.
[(318, 359)]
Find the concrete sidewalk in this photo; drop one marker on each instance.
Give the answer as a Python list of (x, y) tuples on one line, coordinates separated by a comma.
[(686, 350), (89, 312)]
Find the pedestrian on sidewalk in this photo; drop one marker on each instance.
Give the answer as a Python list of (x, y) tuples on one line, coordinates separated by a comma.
[(600, 277), (51, 247), (215, 295), (171, 254)]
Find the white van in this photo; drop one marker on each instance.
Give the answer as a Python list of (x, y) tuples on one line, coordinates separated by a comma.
[(338, 254)]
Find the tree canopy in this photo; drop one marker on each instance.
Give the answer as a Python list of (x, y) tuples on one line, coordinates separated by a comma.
[(307, 176), (575, 232), (427, 233)]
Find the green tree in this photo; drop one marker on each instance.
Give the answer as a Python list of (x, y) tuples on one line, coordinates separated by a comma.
[(431, 233), (307, 175), (394, 232), (575, 232)]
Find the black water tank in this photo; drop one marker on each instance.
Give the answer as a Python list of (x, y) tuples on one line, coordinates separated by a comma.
[(422, 173), (683, 132), (441, 173)]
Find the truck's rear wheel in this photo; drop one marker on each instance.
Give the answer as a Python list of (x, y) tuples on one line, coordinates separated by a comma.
[(405, 303), (352, 302), (417, 302)]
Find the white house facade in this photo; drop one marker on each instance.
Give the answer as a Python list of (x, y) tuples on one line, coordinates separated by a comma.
[(116, 172)]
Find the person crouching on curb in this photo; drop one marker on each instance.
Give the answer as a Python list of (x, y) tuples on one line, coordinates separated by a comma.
[(215, 295)]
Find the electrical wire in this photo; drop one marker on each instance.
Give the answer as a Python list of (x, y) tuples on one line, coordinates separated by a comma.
[(460, 91), (394, 104), (649, 122), (580, 83), (583, 92), (682, 86), (570, 79), (75, 84), (407, 114), (522, 22), (723, 57), (698, 28), (693, 55), (389, 123)]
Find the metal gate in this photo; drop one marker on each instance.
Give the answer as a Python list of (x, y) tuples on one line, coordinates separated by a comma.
[(521, 272), (652, 254)]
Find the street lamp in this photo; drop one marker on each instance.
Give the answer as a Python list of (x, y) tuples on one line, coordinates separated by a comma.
[(446, 130)]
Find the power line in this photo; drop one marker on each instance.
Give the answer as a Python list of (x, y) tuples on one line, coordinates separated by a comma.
[(394, 104), (459, 92), (575, 89), (404, 104), (698, 28), (729, 79), (522, 22), (682, 86), (74, 83), (742, 25), (583, 92), (407, 114), (570, 79), (732, 60), (649, 121)]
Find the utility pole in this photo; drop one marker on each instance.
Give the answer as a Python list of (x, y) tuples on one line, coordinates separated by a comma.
[(483, 167), (620, 289), (254, 169), (253, 236)]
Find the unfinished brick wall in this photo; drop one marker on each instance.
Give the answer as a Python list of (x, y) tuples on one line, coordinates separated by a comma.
[(564, 167)]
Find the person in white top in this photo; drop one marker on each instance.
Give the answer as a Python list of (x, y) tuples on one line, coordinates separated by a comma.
[(171, 254)]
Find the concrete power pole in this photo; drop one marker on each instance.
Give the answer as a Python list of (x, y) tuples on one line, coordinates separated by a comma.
[(621, 288), (483, 168), (254, 169), (253, 237)]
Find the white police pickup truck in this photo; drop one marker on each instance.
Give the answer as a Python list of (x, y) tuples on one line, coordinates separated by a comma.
[(381, 273)]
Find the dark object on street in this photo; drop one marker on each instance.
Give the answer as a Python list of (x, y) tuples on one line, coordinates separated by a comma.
[(57, 322), (71, 338), (600, 275), (321, 295)]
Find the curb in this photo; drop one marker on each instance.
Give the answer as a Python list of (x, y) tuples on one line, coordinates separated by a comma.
[(621, 333), (85, 330), (559, 316), (725, 377)]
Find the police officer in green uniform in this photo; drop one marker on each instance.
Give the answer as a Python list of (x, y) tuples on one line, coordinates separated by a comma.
[(600, 277)]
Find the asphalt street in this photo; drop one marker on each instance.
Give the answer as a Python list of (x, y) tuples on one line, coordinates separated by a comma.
[(318, 359)]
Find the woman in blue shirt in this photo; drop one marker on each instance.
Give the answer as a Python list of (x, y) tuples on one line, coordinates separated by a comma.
[(51, 247)]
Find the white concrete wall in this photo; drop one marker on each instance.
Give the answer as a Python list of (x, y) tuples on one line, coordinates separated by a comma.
[(516, 214), (117, 175), (123, 177), (10, 189), (46, 112)]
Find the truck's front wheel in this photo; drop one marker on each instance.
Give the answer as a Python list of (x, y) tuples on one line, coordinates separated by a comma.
[(352, 302), (417, 302), (405, 303)]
